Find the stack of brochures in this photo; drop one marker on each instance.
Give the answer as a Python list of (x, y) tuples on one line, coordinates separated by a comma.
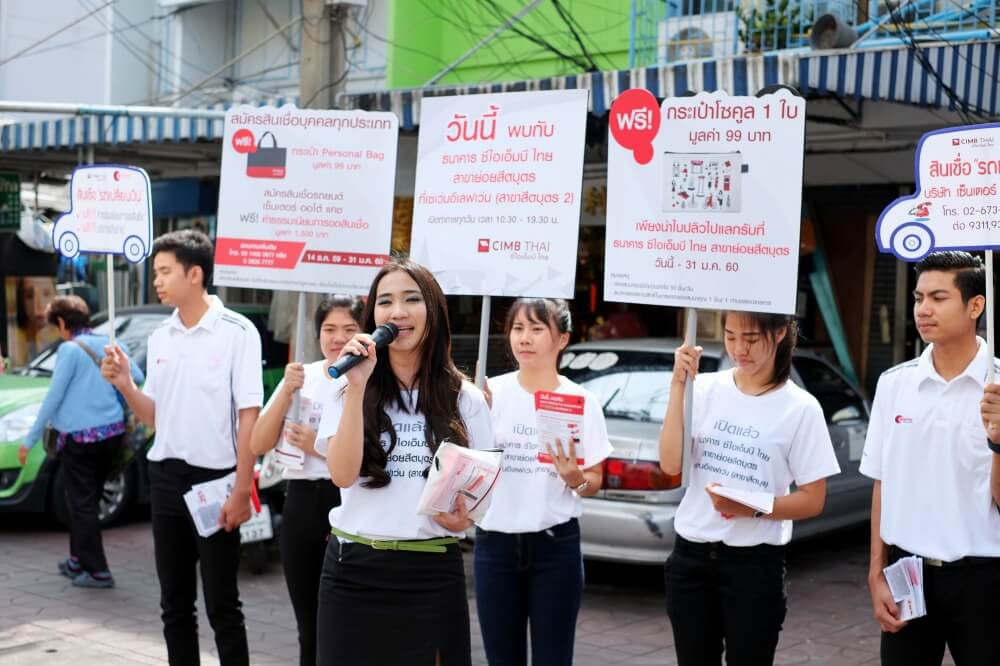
[(906, 582)]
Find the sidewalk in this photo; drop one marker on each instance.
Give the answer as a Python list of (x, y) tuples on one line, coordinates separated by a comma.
[(44, 620)]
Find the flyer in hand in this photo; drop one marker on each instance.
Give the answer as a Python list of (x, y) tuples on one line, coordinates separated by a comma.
[(458, 471), (558, 416)]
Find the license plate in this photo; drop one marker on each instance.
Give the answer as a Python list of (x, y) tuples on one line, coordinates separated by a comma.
[(258, 528)]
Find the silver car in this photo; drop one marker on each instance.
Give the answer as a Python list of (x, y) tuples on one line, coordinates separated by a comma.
[(631, 518)]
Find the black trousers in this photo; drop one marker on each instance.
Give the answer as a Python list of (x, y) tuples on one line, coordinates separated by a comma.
[(85, 469), (179, 550), (962, 612), (305, 528), (723, 597)]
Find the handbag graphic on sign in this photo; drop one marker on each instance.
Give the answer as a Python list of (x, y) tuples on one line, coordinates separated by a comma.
[(266, 162)]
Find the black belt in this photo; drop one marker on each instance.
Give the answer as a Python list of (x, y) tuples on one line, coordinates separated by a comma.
[(718, 550), (896, 553)]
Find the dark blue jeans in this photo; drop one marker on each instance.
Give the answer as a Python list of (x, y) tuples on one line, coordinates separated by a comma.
[(534, 578)]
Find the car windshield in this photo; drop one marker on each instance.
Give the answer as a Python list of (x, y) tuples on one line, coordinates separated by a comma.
[(132, 330), (633, 385)]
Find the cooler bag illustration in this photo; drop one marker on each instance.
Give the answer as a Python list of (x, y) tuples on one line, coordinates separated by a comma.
[(702, 182), (266, 162)]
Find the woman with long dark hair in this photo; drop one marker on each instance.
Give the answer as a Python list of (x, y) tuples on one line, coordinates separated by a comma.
[(309, 495), (393, 584), (528, 564), (753, 431)]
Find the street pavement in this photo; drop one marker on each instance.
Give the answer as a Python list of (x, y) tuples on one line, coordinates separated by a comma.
[(45, 620)]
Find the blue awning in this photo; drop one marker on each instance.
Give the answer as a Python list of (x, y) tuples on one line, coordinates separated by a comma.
[(890, 74), (71, 132), (896, 74)]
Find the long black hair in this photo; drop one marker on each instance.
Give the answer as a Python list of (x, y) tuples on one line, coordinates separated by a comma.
[(770, 326), (438, 381)]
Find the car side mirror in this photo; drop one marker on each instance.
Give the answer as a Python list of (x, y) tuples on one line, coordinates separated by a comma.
[(849, 413)]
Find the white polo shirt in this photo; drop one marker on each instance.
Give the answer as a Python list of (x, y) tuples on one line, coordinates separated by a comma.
[(199, 378), (927, 445)]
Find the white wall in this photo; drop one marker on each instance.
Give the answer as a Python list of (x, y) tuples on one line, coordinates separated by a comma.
[(73, 66)]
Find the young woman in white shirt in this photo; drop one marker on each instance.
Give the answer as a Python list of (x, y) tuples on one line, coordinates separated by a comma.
[(528, 565), (393, 585), (309, 494), (753, 430)]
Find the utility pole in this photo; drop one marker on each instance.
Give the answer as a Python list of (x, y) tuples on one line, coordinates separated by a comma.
[(323, 64), (321, 76)]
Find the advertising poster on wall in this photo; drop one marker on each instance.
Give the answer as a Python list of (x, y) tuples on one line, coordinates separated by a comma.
[(704, 200), (497, 201), (305, 198)]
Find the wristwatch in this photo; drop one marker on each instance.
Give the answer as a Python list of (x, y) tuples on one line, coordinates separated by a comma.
[(758, 514), (995, 448), (582, 487)]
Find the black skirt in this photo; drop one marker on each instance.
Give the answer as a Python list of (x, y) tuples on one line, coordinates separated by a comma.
[(392, 608)]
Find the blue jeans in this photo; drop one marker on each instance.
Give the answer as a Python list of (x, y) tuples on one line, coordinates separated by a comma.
[(534, 578)]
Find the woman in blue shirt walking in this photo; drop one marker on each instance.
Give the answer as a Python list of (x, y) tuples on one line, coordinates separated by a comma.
[(87, 416)]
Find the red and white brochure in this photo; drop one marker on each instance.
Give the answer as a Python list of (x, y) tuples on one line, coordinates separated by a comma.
[(558, 416)]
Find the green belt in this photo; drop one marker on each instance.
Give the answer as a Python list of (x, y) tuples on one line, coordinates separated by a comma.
[(438, 545)]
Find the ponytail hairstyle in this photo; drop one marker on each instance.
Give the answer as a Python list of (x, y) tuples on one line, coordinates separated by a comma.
[(438, 380), (552, 312), (770, 326)]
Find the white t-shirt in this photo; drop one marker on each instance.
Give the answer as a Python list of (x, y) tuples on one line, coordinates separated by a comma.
[(199, 378), (762, 443), (530, 496), (927, 445), (315, 390), (390, 512)]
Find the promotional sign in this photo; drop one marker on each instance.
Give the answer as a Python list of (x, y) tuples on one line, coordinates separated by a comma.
[(10, 201), (111, 212), (305, 198), (704, 200), (496, 207), (955, 205)]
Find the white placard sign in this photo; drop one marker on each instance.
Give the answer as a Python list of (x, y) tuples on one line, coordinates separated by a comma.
[(496, 208), (704, 201), (305, 198), (111, 212), (955, 204)]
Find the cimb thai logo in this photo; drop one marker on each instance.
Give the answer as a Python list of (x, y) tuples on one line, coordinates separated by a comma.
[(517, 249), (903, 419), (973, 141)]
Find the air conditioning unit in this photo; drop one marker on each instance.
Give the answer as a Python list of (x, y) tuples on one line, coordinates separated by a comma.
[(698, 37)]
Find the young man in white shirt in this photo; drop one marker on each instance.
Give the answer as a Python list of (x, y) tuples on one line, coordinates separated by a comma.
[(203, 392), (935, 476)]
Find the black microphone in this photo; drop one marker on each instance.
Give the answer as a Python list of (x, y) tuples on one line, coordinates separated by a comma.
[(382, 336)]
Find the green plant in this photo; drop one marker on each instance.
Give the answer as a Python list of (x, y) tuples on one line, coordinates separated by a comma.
[(774, 24)]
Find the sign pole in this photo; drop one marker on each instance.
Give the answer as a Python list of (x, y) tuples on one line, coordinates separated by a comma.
[(484, 339), (990, 336), (690, 338), (299, 349), (111, 274)]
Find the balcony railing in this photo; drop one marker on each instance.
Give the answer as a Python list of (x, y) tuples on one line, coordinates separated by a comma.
[(684, 30)]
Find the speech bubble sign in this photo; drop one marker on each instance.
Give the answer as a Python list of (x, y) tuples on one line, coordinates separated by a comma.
[(111, 212), (955, 204), (635, 121)]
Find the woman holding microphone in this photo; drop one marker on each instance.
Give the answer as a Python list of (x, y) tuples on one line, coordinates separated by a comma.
[(393, 585), (528, 565), (310, 495), (753, 431)]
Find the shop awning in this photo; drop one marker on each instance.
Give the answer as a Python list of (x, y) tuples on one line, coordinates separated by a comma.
[(887, 73), (897, 75), (182, 144)]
